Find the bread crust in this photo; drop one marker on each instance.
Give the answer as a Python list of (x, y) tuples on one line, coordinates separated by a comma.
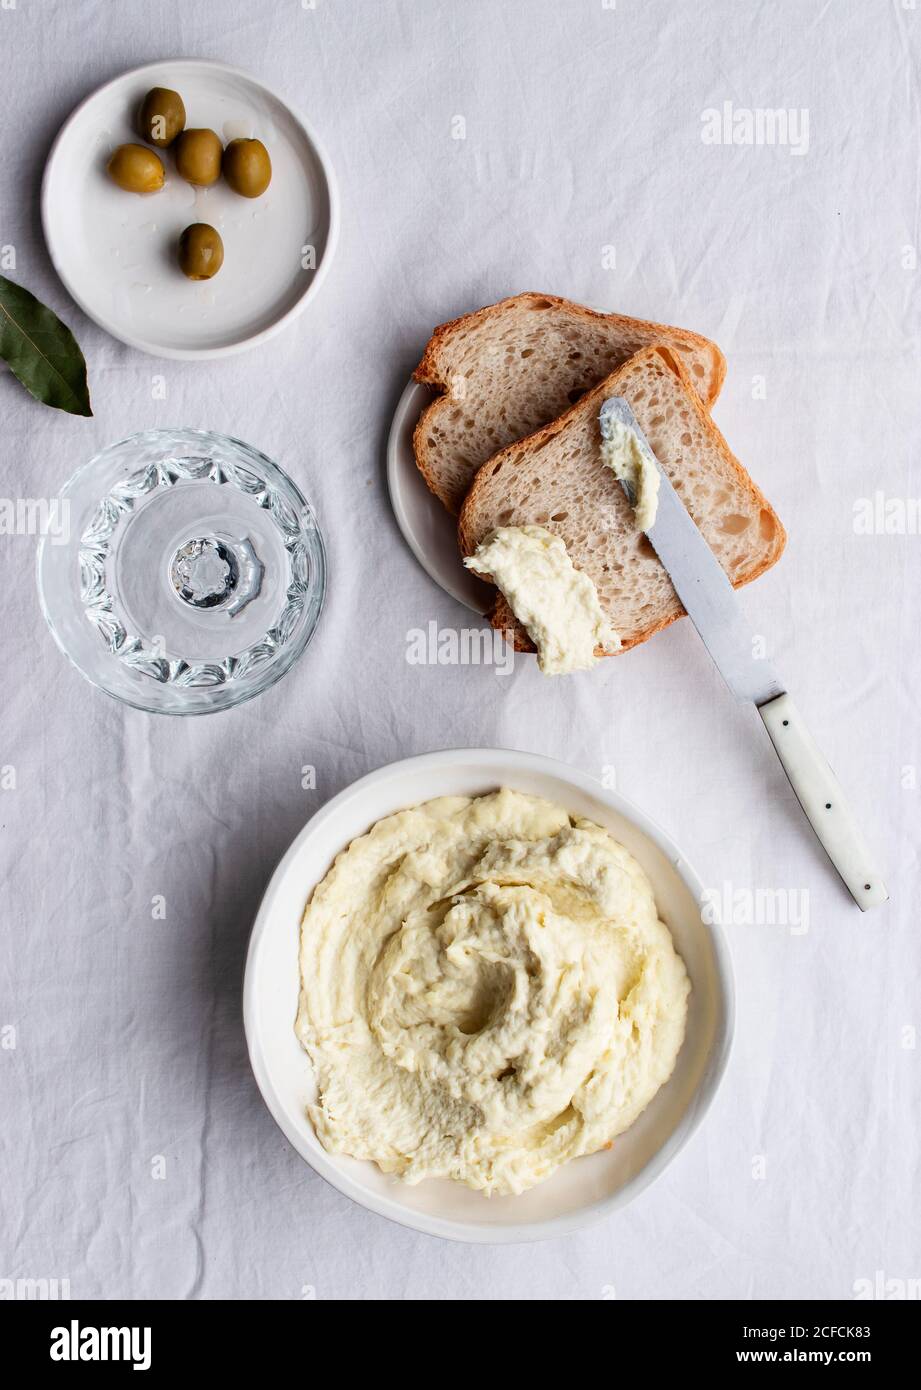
[(431, 372), (500, 614)]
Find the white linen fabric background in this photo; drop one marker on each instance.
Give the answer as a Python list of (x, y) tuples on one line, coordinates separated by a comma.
[(584, 171)]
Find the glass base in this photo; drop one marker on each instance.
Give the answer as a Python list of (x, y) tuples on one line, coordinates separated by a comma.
[(190, 574)]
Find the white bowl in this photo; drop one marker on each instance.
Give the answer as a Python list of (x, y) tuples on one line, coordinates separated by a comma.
[(582, 1191), (116, 251)]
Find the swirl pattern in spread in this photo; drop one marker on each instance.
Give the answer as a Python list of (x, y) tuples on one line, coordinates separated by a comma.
[(486, 992)]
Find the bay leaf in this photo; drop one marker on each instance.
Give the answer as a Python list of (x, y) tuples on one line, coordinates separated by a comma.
[(41, 351)]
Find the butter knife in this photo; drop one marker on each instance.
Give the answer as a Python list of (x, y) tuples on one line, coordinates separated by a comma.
[(715, 610)]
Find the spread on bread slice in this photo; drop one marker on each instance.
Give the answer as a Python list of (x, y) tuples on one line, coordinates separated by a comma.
[(555, 478), (555, 603)]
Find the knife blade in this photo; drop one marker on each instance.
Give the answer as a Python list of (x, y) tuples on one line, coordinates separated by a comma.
[(717, 613)]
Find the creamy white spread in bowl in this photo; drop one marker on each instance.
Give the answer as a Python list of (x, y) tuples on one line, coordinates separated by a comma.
[(555, 850)]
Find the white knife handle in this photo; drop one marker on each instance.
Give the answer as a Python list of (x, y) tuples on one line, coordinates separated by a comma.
[(823, 801)]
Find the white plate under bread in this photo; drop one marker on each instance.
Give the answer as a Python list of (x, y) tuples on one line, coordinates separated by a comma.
[(428, 529)]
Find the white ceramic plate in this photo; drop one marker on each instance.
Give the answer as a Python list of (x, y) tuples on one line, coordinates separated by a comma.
[(428, 529), (582, 1191), (116, 251)]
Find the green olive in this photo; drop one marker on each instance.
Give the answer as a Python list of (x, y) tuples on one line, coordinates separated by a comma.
[(201, 251), (247, 167), (136, 169), (198, 157), (162, 116)]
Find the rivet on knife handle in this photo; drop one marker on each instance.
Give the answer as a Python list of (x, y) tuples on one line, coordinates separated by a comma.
[(820, 796)]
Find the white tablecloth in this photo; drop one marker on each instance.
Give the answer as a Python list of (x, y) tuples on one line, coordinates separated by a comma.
[(136, 1156)]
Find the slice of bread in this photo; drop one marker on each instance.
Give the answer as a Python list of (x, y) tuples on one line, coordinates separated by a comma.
[(510, 368), (555, 478)]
